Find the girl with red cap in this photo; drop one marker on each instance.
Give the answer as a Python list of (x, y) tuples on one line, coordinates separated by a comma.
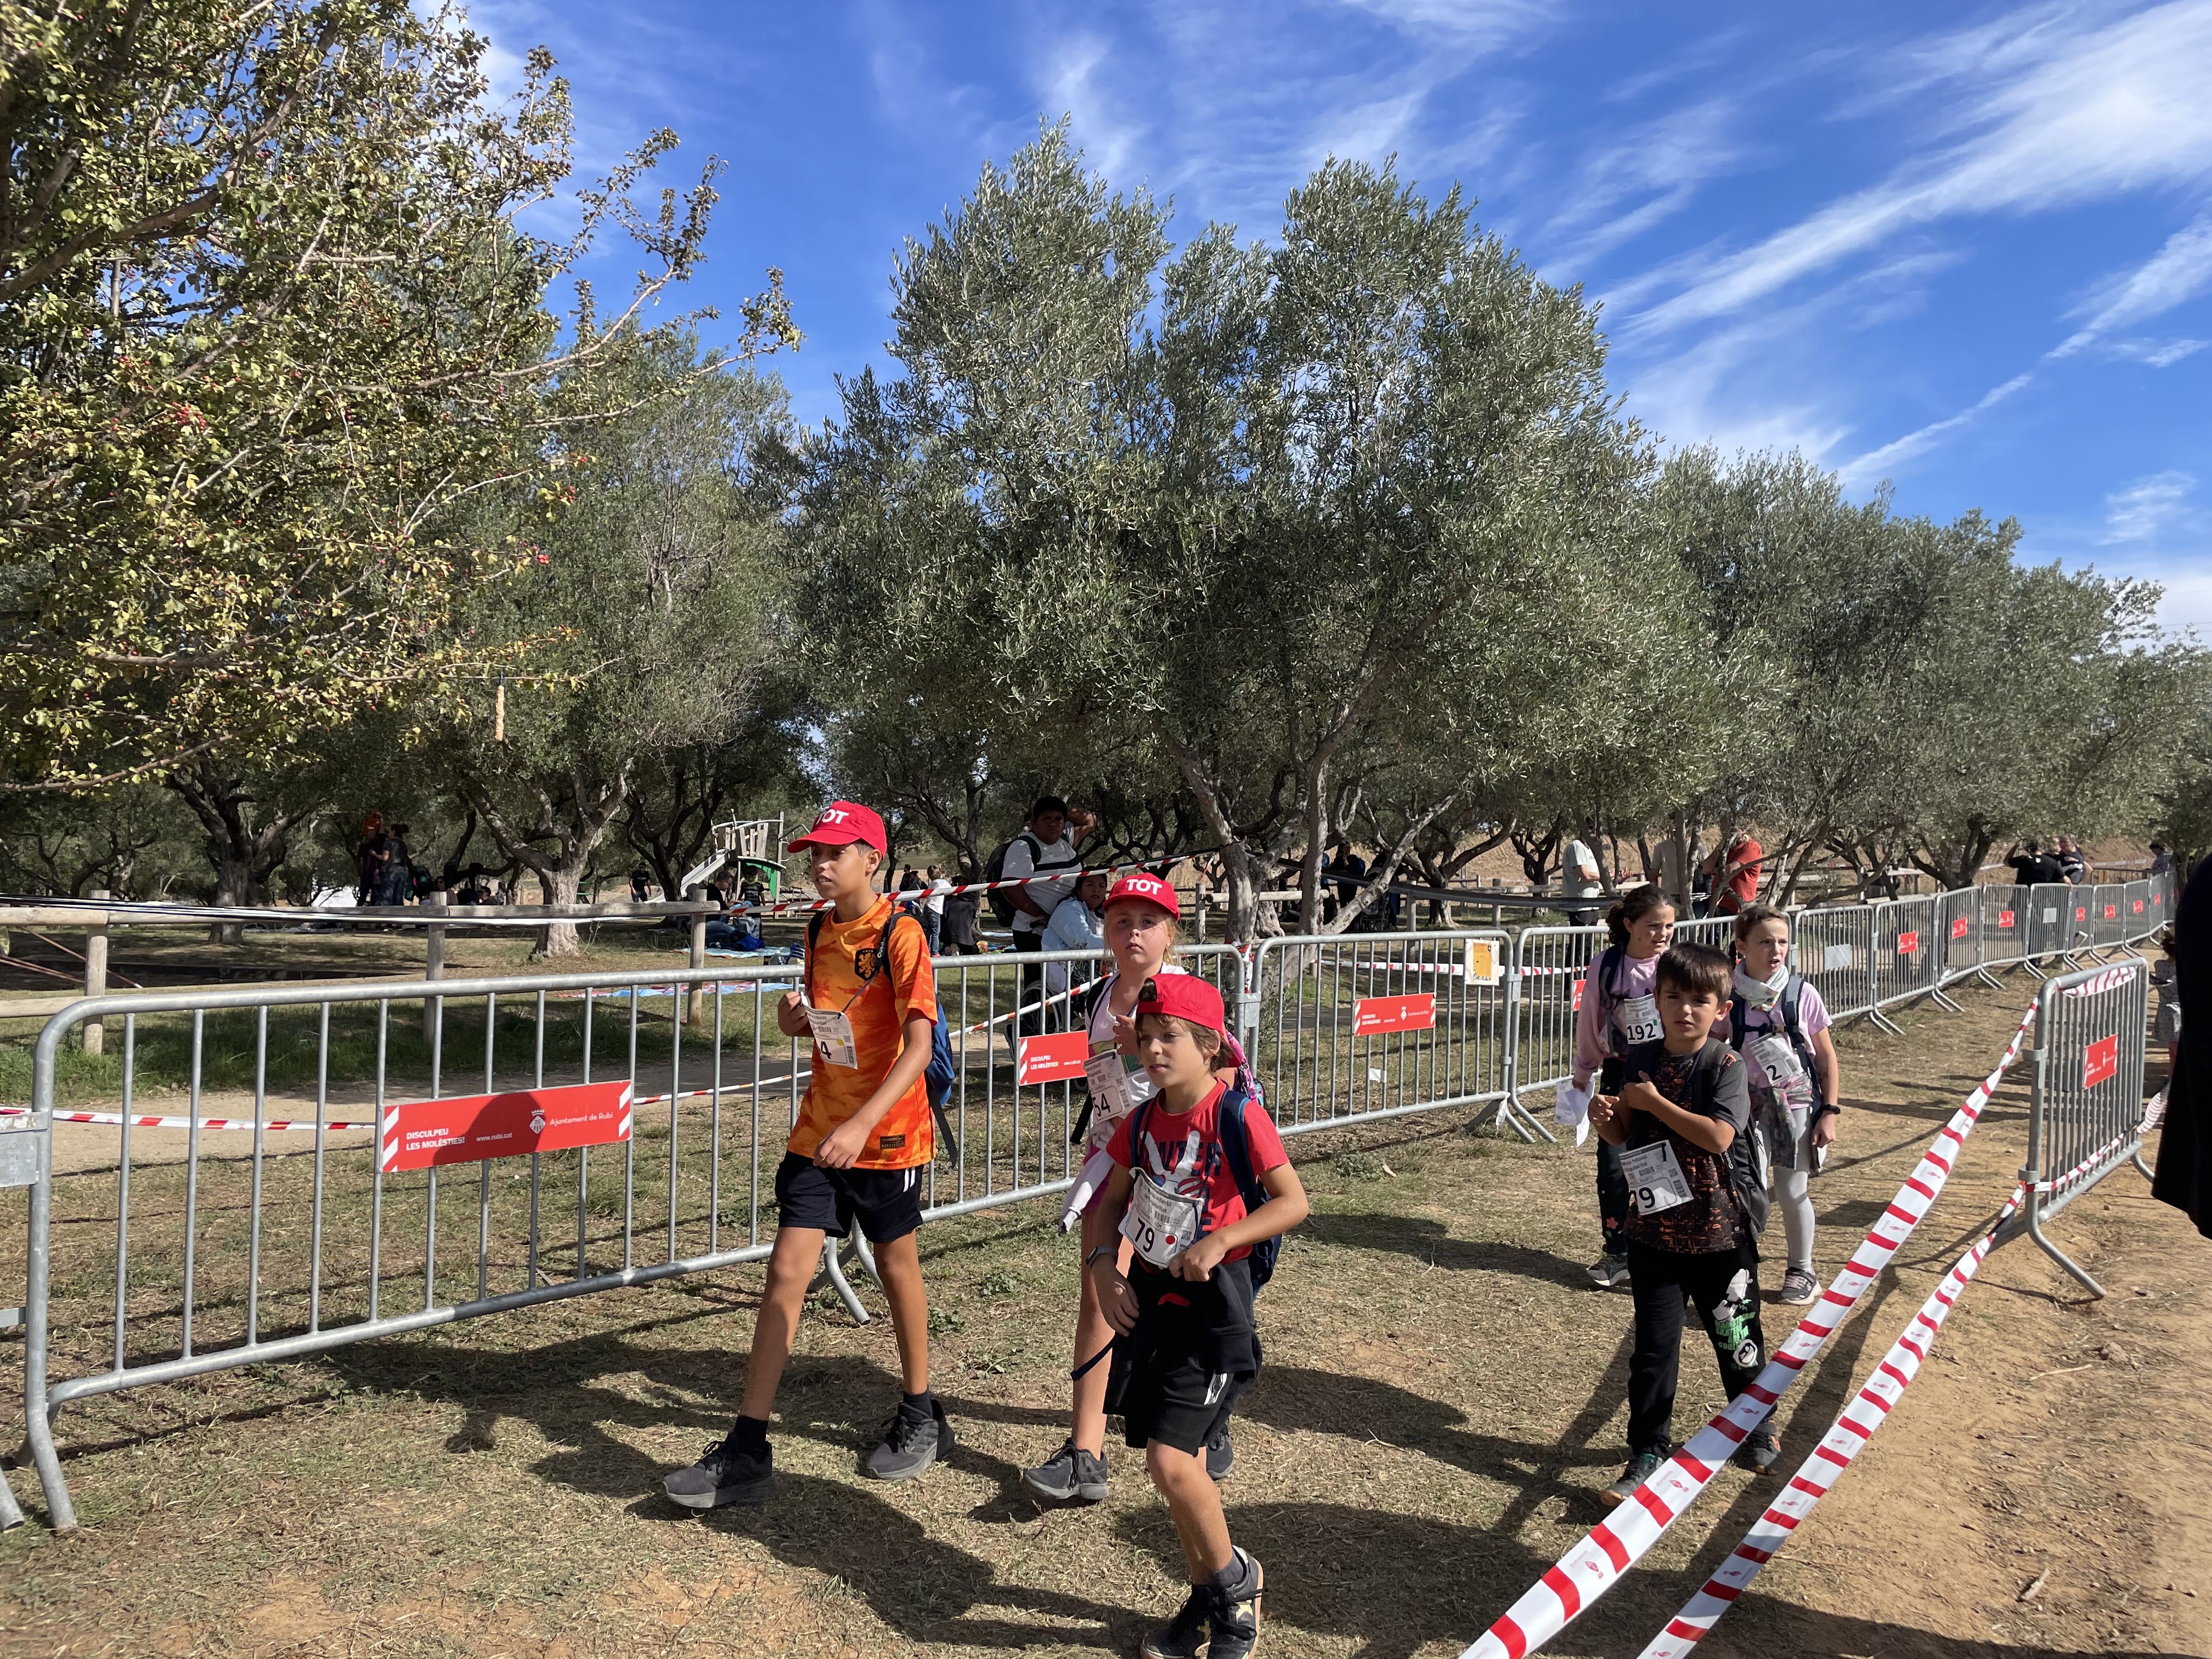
[(1143, 921)]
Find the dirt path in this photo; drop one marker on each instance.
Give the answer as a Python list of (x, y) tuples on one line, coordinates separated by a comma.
[(1443, 1399)]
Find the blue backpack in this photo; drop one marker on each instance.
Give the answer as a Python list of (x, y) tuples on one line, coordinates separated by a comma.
[(937, 1076), (1236, 1148)]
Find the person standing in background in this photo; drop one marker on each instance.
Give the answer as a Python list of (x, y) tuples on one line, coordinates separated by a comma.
[(1736, 873), (2071, 864), (2184, 1176), (1578, 879), (933, 908)]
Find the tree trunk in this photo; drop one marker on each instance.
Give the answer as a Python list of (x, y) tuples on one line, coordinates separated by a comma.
[(557, 887)]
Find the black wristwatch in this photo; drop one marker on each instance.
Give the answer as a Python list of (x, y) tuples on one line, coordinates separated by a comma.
[(1826, 1109), (1098, 1251)]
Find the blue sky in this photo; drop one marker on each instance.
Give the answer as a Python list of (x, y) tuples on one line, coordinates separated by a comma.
[(1965, 250)]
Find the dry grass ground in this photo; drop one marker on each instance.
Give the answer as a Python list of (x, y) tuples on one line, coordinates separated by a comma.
[(1442, 1400)]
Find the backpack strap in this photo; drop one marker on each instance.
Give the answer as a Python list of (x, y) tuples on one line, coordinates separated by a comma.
[(1237, 1145)]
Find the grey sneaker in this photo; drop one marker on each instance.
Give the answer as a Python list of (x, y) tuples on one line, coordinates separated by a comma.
[(1233, 1620), (1220, 1454), (1609, 1273), (1760, 1450), (1183, 1637), (1799, 1286), (910, 1444), (722, 1476), (1641, 1467), (1070, 1476)]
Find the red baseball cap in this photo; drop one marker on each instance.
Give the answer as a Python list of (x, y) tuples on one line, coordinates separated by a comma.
[(842, 821), (1150, 888), (1186, 996)]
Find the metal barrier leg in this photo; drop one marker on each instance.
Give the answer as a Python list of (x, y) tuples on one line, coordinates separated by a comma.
[(36, 1427), (1944, 1002), (1990, 980), (1885, 1023), (864, 1255), (834, 1276), (10, 1515), (2035, 1232), (2142, 1167)]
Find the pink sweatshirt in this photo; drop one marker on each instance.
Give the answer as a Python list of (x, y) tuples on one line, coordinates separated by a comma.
[(1634, 978)]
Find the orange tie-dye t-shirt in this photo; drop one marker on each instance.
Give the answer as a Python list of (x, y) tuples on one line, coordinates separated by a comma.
[(839, 977)]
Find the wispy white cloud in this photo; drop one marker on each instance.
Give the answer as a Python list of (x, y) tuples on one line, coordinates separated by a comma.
[(1481, 24), (2055, 114), (2159, 353), (1642, 176), (2175, 275), (2139, 512), (1875, 462)]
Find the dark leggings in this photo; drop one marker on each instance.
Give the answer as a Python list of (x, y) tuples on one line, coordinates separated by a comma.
[(1662, 1281)]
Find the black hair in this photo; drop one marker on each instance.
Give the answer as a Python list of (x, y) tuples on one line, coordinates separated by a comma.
[(1695, 971), (2158, 847), (1049, 804), (1631, 907)]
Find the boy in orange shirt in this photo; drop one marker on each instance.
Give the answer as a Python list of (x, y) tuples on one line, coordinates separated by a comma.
[(864, 1135)]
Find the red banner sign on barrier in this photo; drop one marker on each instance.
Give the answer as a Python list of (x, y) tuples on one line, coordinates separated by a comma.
[(1373, 1016), (2004, 918), (1959, 927), (1055, 1058), (2112, 911), (2138, 904), (2102, 1061), (469, 1128), (1908, 944), (2081, 913), (1578, 996)]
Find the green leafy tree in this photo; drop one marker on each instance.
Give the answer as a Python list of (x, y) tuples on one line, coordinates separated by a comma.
[(1251, 501), (271, 319), (649, 608)]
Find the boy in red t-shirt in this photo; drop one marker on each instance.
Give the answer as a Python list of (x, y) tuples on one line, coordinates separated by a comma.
[(864, 1135), (1184, 1310)]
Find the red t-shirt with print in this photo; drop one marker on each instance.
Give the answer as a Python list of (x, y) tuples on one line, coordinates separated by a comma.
[(1183, 1151)]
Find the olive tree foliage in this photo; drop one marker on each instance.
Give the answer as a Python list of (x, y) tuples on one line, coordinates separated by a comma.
[(272, 317), (649, 605), (1904, 691), (1257, 505)]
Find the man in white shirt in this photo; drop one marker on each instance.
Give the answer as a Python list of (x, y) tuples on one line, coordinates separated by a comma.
[(933, 908), (1046, 845), (1578, 879)]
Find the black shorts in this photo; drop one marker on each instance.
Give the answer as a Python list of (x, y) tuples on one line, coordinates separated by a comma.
[(1194, 1351), (887, 1202)]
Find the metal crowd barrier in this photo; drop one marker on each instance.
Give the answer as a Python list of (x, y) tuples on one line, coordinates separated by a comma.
[(2086, 1115), (278, 1230)]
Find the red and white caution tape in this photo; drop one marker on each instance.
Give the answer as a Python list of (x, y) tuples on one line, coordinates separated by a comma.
[(1609, 1549), (165, 1122), (1868, 1409)]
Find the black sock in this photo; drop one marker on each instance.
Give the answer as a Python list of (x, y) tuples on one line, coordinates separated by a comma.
[(1233, 1580), (919, 1406), (750, 1434)]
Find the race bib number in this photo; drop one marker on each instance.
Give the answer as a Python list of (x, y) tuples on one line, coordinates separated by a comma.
[(833, 1037), (1655, 1181), (1776, 1056), (1162, 1224), (1639, 1020), (1109, 1080)]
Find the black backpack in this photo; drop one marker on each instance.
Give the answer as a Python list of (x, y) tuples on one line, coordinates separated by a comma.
[(1001, 899), (1747, 1153), (1236, 1148)]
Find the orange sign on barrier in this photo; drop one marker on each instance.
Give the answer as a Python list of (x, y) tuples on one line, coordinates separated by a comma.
[(1055, 1058), (1908, 944), (469, 1128), (2102, 1061), (1373, 1016)]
